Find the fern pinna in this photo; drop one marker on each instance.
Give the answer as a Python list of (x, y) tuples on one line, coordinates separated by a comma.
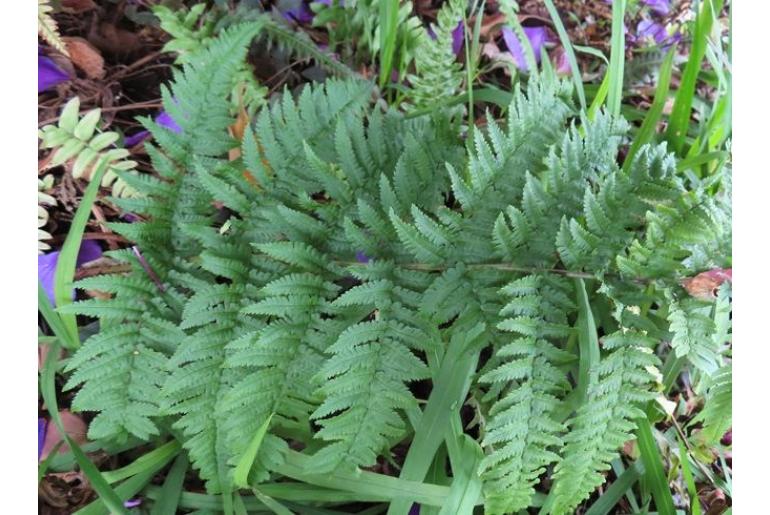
[(351, 254)]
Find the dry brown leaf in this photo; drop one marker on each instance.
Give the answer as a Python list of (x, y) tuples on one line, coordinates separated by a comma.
[(704, 285), (73, 425), (86, 57), (77, 6)]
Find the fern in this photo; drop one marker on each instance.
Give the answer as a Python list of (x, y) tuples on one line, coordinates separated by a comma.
[(716, 415), (618, 387), (522, 433), (308, 284), (43, 199), (47, 28), (438, 76), (76, 139)]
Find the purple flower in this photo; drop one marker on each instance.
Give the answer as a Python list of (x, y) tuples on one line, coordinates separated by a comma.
[(46, 265), (48, 74), (361, 257), (650, 30), (661, 7), (653, 30), (41, 430), (458, 38), (164, 120), (300, 13), (537, 36), (132, 503)]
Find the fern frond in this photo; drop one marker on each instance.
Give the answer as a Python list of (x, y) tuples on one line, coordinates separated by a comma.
[(47, 28), (522, 434), (366, 375), (717, 413), (618, 386), (43, 199), (692, 328), (77, 139), (438, 75)]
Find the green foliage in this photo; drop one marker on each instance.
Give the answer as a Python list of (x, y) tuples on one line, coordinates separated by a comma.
[(438, 75), (359, 21), (264, 314), (192, 31), (78, 139)]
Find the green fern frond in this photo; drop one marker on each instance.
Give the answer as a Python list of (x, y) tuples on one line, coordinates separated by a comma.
[(692, 328), (438, 75), (717, 413), (522, 433), (618, 387)]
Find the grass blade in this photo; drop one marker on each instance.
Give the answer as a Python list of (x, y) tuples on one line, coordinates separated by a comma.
[(42, 468), (601, 96), (388, 33), (695, 508), (48, 391), (653, 466), (241, 473), (569, 50), (617, 489), (680, 114), (53, 319), (168, 501), (647, 130), (161, 455), (465, 455), (65, 268), (275, 506), (449, 391), (617, 57), (296, 466), (588, 342)]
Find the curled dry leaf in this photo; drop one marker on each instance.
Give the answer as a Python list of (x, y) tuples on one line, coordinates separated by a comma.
[(704, 285), (85, 56)]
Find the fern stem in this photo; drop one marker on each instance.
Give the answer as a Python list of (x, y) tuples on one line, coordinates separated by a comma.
[(506, 267)]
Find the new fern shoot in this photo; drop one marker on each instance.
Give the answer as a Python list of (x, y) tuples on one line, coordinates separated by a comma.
[(366, 255)]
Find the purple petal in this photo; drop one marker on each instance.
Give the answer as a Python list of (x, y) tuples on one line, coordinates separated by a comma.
[(132, 503), (537, 36), (650, 29), (41, 430), (458, 38), (661, 7), (164, 119), (48, 74), (46, 265), (137, 138), (361, 257), (301, 13)]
